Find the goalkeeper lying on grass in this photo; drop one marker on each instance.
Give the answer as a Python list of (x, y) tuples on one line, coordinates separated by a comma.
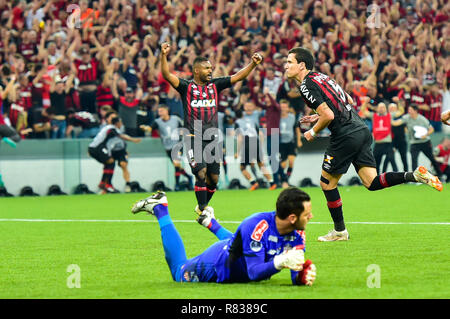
[(263, 244)]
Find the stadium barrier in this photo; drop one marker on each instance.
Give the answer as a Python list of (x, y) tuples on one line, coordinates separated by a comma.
[(65, 162)]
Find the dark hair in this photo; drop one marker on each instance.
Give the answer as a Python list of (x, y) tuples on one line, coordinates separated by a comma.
[(414, 106), (115, 120), (6, 70), (290, 201), (199, 59), (108, 114), (303, 55)]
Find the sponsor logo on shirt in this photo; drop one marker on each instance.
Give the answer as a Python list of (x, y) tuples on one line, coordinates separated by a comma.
[(306, 94), (203, 103), (259, 230)]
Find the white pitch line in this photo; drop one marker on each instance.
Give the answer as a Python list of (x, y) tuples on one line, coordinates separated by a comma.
[(193, 221)]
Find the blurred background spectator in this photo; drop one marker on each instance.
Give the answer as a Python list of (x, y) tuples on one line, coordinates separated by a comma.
[(383, 51)]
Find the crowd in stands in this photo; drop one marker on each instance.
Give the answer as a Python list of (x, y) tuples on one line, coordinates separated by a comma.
[(65, 64)]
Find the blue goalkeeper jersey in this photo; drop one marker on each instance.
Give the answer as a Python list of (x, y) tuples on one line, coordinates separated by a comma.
[(248, 255)]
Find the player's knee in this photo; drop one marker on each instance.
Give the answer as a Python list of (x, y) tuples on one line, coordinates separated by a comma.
[(110, 160), (325, 184), (201, 174), (212, 180)]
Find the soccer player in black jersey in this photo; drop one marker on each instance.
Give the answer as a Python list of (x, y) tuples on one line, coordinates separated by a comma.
[(350, 141), (200, 101)]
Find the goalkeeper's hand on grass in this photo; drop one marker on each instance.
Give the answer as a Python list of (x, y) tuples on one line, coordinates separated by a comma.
[(292, 259), (308, 274)]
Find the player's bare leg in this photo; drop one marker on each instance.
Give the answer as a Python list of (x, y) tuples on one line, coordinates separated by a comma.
[(329, 184), (267, 175), (253, 183), (126, 175), (291, 160)]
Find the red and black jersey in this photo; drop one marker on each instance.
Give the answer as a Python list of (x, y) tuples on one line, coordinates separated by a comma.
[(435, 104), (84, 120), (317, 88), (104, 96), (25, 96), (37, 93), (27, 50), (200, 103), (87, 73)]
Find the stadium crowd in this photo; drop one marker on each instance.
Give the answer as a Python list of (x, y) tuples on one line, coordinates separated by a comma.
[(65, 64)]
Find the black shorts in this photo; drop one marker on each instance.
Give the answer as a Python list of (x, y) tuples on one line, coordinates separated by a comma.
[(120, 155), (287, 149), (99, 153), (251, 152), (354, 148), (208, 154)]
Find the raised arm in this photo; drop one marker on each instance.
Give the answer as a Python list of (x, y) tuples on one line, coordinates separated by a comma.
[(243, 73), (171, 78)]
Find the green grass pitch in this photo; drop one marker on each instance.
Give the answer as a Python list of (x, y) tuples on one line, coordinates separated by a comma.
[(403, 230)]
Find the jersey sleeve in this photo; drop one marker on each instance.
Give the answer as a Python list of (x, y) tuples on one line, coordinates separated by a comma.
[(311, 93), (254, 244), (179, 120), (112, 133), (154, 125), (182, 87), (222, 83)]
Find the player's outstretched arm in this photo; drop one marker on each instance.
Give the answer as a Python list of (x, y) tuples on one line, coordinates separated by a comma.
[(171, 78), (128, 138), (243, 73)]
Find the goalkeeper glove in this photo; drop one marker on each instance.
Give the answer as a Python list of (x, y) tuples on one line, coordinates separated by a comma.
[(308, 274), (292, 259)]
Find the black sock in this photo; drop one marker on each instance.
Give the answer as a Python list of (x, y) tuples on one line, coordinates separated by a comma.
[(334, 204), (108, 171), (289, 172), (201, 193), (282, 174), (211, 190), (391, 179), (225, 166)]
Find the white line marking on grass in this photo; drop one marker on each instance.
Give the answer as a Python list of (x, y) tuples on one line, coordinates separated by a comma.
[(193, 221)]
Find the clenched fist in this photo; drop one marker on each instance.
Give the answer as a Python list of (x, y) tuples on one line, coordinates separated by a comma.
[(257, 58), (165, 48)]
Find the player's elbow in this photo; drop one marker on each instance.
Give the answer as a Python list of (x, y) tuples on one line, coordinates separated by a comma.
[(327, 116)]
